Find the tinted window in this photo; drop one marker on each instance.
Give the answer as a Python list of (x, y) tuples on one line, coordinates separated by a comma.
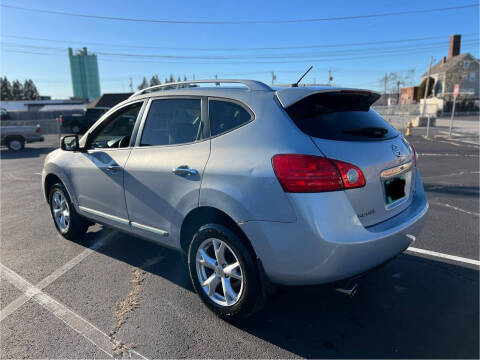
[(95, 113), (172, 121), (225, 115), (340, 116), (116, 130)]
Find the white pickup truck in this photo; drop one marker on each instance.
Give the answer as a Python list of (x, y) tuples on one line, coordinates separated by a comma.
[(16, 136)]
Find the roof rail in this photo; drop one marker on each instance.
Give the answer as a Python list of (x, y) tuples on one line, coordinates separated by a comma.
[(250, 84)]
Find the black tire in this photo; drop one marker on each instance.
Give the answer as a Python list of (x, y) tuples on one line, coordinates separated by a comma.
[(76, 129), (16, 143), (77, 226), (251, 299)]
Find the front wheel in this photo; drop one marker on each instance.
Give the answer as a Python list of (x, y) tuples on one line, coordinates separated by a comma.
[(67, 222), (224, 273)]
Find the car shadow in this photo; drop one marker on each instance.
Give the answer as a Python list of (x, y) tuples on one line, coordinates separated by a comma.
[(458, 190), (411, 307), (27, 152)]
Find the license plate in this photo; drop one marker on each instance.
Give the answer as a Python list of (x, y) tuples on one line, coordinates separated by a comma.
[(395, 188)]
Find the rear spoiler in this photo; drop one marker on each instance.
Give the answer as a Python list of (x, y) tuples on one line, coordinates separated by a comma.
[(289, 96)]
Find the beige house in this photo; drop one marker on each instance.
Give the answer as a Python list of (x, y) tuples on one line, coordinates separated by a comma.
[(462, 69)]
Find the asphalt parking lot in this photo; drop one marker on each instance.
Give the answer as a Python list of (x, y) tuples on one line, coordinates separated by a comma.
[(112, 295)]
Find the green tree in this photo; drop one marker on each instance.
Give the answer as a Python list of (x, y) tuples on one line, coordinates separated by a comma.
[(30, 90), (155, 80), (5, 89), (17, 90), (143, 84)]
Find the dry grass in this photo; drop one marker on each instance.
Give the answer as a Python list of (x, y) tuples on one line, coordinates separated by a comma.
[(122, 311)]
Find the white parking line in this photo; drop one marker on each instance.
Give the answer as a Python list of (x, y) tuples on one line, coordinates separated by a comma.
[(70, 318), (22, 299), (455, 208), (451, 155), (444, 256)]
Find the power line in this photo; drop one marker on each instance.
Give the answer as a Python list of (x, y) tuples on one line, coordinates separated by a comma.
[(368, 51), (239, 22), (145, 58), (233, 49)]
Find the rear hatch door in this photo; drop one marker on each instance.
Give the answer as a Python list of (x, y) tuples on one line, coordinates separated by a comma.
[(344, 127)]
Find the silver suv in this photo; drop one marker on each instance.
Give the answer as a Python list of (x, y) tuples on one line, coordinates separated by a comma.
[(258, 186)]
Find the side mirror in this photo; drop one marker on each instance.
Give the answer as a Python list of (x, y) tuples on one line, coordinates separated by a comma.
[(69, 143)]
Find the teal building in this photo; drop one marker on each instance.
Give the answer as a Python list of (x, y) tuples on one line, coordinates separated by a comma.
[(84, 71)]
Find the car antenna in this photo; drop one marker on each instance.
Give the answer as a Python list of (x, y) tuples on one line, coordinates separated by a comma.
[(305, 73)]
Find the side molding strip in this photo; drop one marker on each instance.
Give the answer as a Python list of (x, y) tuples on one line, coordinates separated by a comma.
[(149, 228), (125, 221), (107, 216)]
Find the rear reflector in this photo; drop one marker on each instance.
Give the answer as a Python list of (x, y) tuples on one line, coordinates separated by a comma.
[(415, 156), (307, 173)]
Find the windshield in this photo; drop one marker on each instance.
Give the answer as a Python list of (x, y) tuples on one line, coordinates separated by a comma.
[(340, 116)]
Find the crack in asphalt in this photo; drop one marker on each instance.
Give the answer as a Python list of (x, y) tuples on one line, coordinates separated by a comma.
[(122, 312)]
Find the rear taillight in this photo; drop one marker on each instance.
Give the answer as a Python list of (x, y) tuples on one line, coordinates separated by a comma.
[(60, 119), (307, 173), (37, 130)]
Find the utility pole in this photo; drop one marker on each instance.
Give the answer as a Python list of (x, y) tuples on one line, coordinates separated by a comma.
[(131, 85), (398, 92), (385, 89), (216, 77), (274, 77), (330, 77), (425, 95)]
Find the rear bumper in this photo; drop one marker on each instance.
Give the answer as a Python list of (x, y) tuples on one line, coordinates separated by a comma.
[(328, 243)]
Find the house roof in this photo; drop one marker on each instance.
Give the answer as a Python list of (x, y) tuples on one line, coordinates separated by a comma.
[(442, 67), (109, 100)]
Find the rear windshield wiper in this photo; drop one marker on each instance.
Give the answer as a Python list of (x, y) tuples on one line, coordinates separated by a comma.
[(374, 132)]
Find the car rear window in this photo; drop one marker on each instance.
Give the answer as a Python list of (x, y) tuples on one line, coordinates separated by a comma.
[(344, 116)]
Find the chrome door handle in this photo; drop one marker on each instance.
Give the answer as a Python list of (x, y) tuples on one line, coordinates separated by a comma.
[(184, 170), (113, 168)]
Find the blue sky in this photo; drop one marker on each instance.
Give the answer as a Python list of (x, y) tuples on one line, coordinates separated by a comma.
[(46, 62)]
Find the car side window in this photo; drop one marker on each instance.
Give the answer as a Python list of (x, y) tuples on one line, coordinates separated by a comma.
[(226, 115), (172, 121), (116, 131)]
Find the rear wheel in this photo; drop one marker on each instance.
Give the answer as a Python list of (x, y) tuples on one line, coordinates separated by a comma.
[(224, 273), (67, 222), (76, 129), (16, 143)]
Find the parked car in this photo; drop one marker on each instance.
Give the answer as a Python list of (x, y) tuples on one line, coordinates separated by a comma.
[(4, 114), (79, 123), (15, 137), (293, 186)]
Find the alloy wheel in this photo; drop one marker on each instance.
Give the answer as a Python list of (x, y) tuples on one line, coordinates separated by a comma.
[(61, 211), (15, 145), (219, 272)]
